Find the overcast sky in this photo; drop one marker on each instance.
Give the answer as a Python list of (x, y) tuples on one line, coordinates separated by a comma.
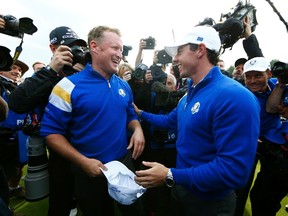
[(140, 19)]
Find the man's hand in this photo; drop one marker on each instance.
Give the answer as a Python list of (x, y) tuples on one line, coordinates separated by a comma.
[(247, 27), (152, 177), (61, 57)]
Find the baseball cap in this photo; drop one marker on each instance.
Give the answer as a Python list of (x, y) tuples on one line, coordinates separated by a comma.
[(22, 65), (240, 61), (200, 34), (256, 64), (121, 184), (64, 35)]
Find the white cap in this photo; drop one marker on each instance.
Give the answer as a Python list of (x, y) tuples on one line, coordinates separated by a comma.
[(200, 34), (256, 64), (121, 184)]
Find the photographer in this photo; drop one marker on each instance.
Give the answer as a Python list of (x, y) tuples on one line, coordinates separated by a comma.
[(144, 44), (277, 101), (32, 96)]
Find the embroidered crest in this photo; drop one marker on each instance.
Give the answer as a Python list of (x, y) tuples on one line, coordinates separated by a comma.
[(121, 92), (195, 108)]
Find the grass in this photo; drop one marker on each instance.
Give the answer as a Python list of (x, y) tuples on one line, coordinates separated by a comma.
[(39, 208)]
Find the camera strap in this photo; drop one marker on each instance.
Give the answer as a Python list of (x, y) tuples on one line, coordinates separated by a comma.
[(18, 51)]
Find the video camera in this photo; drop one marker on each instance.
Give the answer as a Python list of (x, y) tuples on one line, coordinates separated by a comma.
[(150, 42), (17, 27), (280, 70), (232, 29)]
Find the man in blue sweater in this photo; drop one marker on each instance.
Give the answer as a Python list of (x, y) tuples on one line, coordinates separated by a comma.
[(86, 121), (218, 128)]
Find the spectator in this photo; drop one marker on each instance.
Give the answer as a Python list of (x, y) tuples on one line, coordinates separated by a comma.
[(9, 139), (270, 185), (32, 96), (160, 143), (37, 66), (237, 73), (10, 145), (221, 65), (211, 162), (125, 71), (86, 122)]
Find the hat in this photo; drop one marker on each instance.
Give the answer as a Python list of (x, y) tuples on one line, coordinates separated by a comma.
[(200, 34), (121, 184), (22, 65), (240, 61), (256, 64), (65, 36)]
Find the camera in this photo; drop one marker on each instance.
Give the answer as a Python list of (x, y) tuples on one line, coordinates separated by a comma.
[(163, 57), (150, 42), (139, 72), (157, 73), (17, 27), (81, 55), (280, 70), (126, 50), (6, 60)]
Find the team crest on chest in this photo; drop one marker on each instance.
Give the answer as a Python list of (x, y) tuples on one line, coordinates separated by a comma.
[(121, 92), (195, 108)]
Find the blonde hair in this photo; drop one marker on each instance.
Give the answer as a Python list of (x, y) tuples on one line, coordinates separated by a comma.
[(124, 67), (97, 33)]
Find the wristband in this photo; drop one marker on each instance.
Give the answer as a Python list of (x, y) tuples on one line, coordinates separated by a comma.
[(48, 68)]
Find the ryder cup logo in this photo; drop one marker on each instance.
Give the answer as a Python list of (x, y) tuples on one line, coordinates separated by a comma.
[(121, 92), (195, 108)]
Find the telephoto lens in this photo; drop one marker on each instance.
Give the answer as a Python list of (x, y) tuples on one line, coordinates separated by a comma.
[(37, 178)]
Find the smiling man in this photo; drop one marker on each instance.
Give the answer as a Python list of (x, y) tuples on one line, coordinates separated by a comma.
[(17, 71), (215, 146), (271, 185)]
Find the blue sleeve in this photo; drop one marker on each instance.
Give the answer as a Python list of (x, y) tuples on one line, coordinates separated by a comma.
[(161, 121)]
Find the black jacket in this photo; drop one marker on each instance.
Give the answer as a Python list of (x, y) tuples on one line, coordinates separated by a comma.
[(251, 47), (34, 91)]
